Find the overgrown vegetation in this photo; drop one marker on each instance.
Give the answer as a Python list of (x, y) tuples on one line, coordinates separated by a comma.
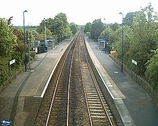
[(140, 41), (12, 41)]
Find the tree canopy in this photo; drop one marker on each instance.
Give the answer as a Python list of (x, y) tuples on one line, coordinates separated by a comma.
[(140, 40), (12, 40), (8, 42), (96, 28)]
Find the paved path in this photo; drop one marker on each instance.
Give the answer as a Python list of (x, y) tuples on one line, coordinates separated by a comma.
[(140, 105)]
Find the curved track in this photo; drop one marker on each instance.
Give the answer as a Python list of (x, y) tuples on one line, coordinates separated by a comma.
[(73, 96)]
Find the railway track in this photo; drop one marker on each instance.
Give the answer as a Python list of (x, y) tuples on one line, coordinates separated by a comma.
[(98, 110), (73, 96)]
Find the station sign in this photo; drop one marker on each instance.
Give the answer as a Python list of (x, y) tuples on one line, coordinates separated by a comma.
[(12, 62), (134, 62)]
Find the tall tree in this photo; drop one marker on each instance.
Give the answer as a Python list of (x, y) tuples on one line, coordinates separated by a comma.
[(152, 70), (96, 29), (128, 20), (144, 30), (74, 28), (87, 27), (7, 39), (61, 25), (7, 45)]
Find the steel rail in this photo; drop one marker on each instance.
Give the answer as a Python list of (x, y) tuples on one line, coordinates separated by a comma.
[(70, 75), (59, 109), (86, 99), (57, 84), (97, 91), (52, 101)]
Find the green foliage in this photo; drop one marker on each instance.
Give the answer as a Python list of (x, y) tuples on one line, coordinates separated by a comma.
[(7, 39), (128, 20), (96, 29), (143, 40), (74, 28), (61, 25), (12, 40), (113, 33), (3, 70), (152, 69), (35, 34), (11, 47), (33, 54), (140, 36), (8, 44), (40, 29), (57, 28), (68, 32), (87, 27)]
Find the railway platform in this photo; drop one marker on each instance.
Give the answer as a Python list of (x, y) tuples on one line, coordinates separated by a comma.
[(134, 104), (29, 86)]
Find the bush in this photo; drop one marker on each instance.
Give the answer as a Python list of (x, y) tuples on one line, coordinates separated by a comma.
[(32, 54)]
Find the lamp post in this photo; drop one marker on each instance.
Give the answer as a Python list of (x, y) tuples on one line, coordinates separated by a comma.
[(122, 43), (25, 62), (29, 42), (45, 44)]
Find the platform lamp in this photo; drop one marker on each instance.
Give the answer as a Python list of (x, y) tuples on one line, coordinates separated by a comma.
[(122, 43), (25, 62), (29, 42), (45, 44)]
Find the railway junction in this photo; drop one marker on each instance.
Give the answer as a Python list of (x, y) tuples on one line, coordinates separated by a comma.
[(18, 102)]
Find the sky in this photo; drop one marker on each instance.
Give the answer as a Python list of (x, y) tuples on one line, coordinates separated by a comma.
[(78, 11)]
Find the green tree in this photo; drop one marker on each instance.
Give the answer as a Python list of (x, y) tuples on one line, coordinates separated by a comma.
[(140, 37), (112, 33), (144, 30), (35, 34), (96, 29), (7, 39), (68, 32), (7, 45), (106, 33), (74, 28), (87, 27), (61, 26), (128, 20), (18, 52), (41, 29), (152, 70)]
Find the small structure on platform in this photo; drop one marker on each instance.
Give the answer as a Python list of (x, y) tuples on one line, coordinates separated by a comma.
[(104, 45), (101, 44), (45, 45)]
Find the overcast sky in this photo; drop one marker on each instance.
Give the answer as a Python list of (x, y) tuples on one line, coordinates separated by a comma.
[(77, 11)]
